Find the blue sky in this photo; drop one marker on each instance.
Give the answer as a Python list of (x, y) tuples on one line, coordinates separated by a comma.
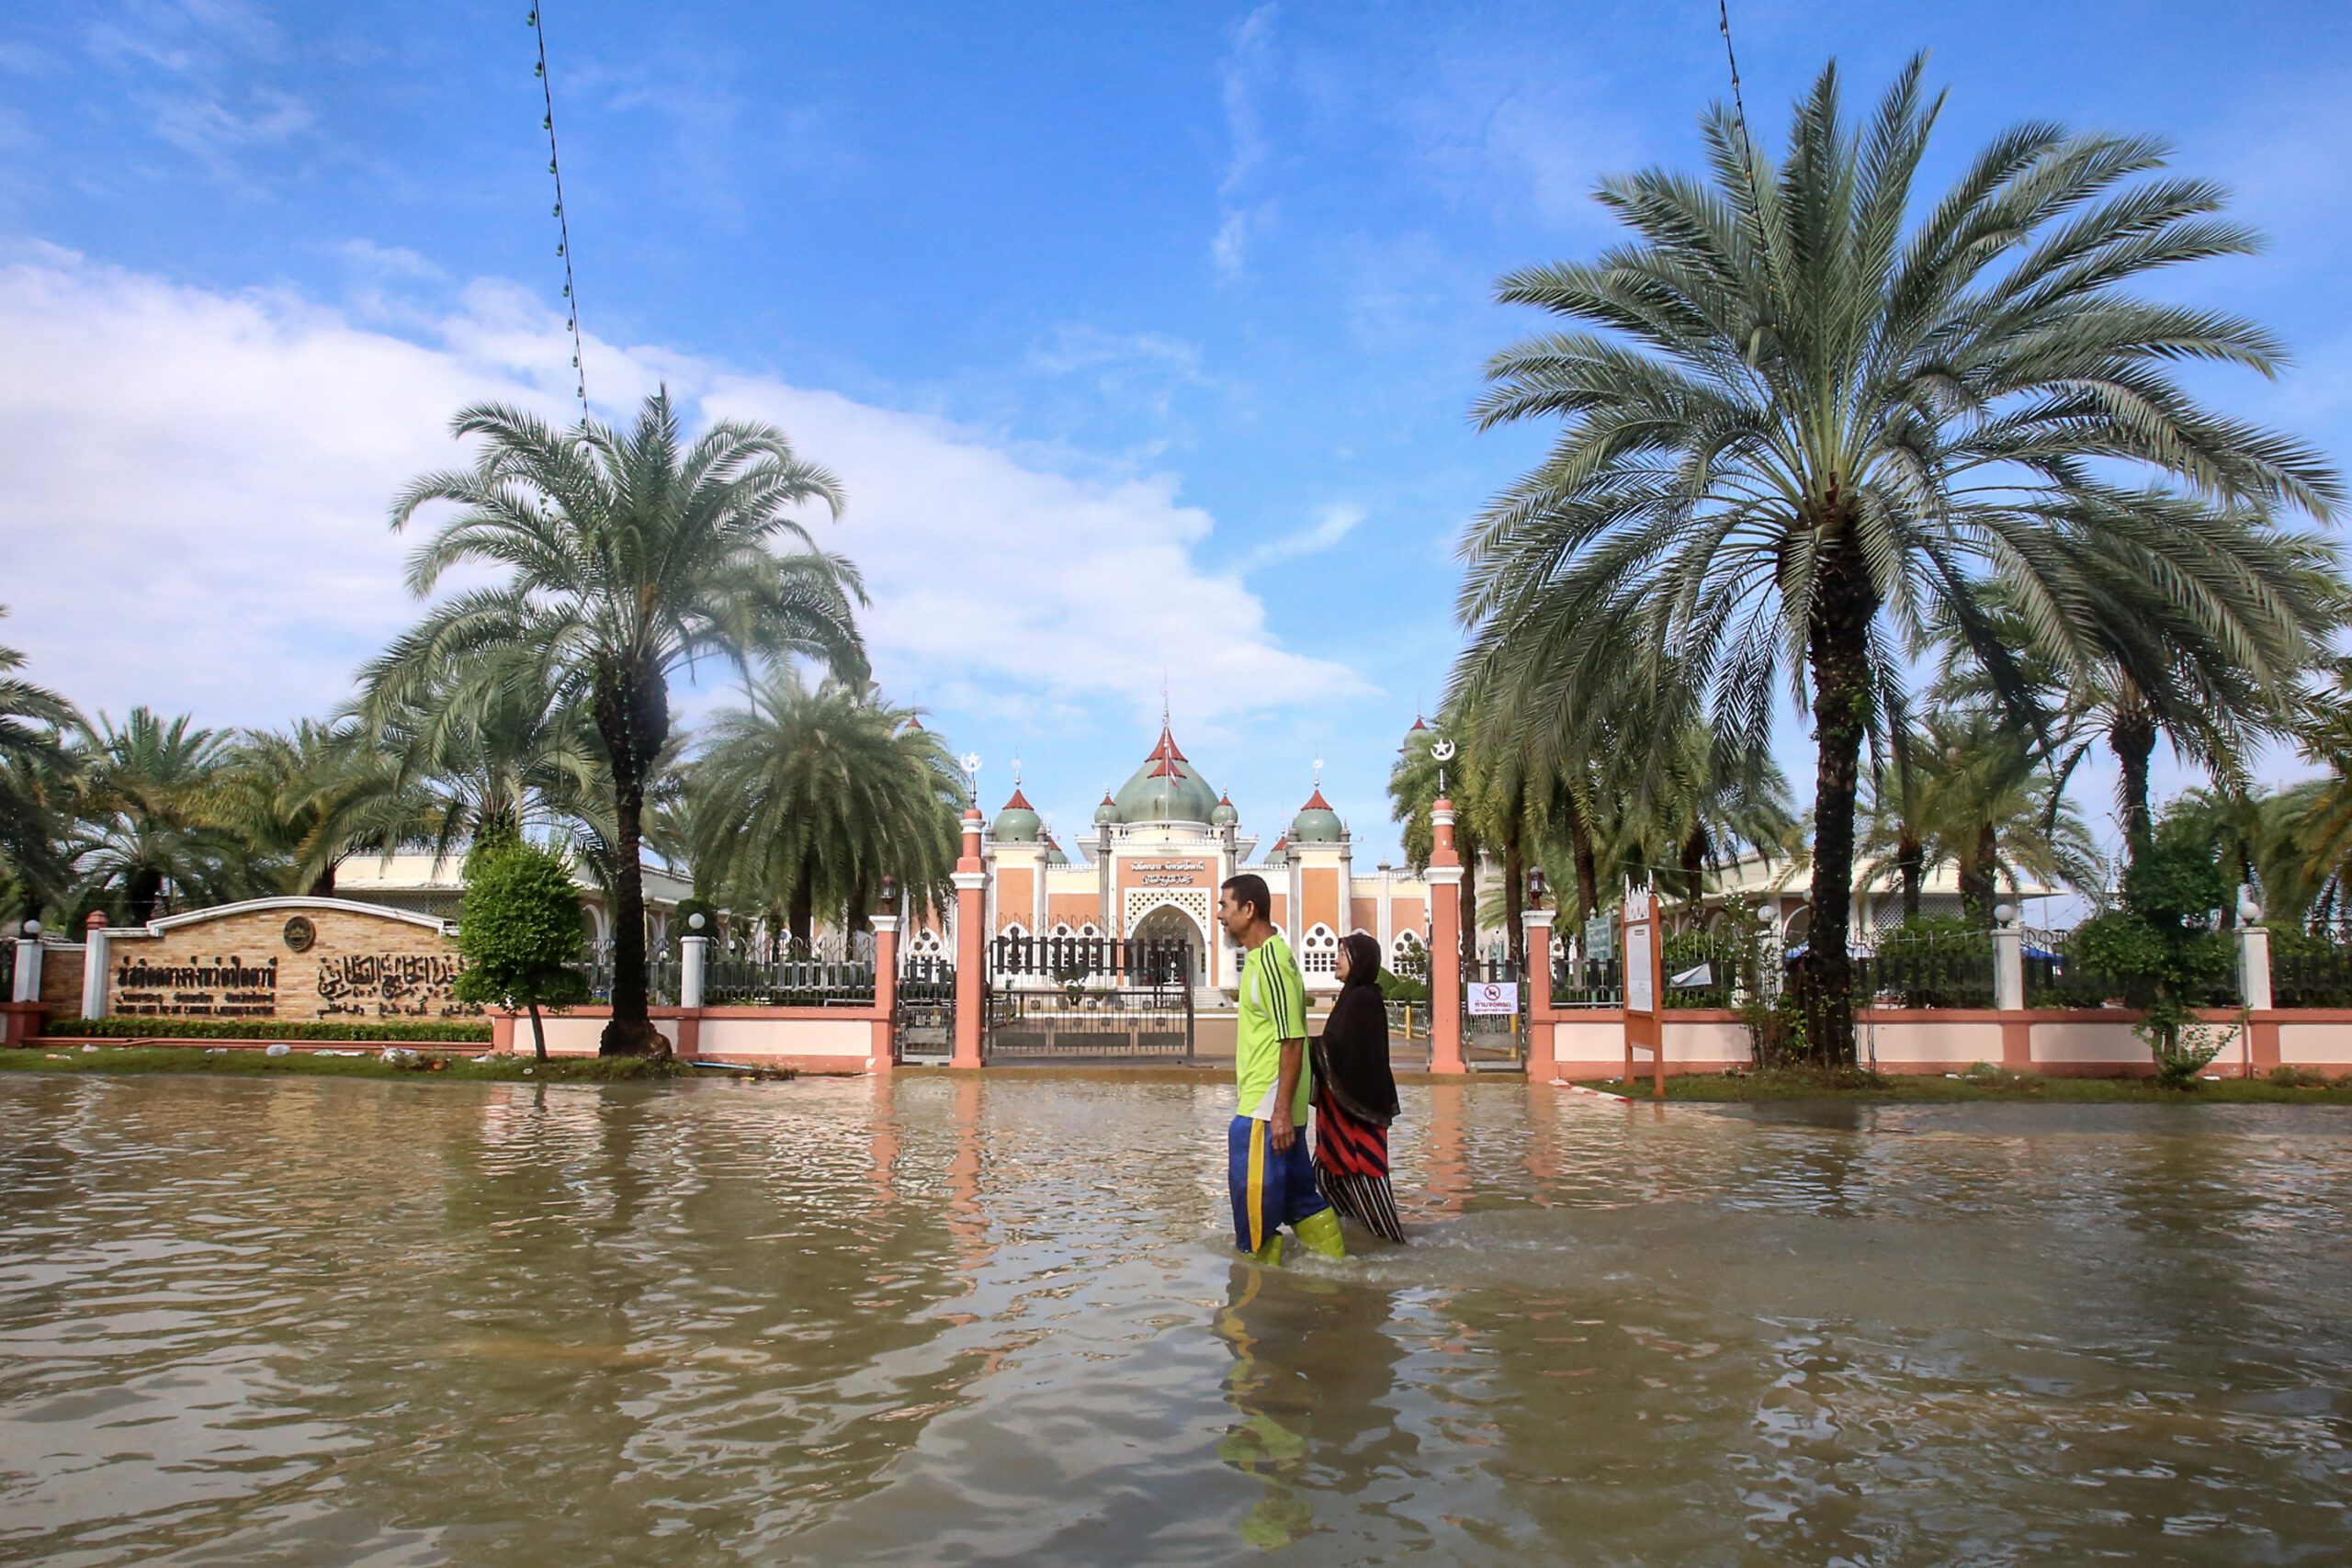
[(1142, 336)]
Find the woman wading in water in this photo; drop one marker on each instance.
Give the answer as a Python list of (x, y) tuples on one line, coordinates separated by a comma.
[(1355, 1095)]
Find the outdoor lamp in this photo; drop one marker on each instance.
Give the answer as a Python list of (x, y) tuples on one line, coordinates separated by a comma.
[(2004, 913), (694, 922), (1536, 889), (30, 928), (889, 891), (2248, 910)]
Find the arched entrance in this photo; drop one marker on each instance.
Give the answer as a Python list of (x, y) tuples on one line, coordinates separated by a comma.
[(1169, 924)]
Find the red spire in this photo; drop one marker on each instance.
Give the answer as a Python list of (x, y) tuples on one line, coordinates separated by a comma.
[(1019, 802), (1316, 803), (1165, 756), (1226, 799), (1418, 722), (913, 723)]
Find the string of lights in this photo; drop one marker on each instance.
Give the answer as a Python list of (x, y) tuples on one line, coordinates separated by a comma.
[(562, 223)]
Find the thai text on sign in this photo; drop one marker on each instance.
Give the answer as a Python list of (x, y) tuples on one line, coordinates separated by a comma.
[(1494, 998)]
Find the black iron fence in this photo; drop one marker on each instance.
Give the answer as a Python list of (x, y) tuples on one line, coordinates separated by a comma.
[(1102, 1024), (1090, 960), (660, 973), (1927, 969), (2311, 968), (1588, 982), (732, 981)]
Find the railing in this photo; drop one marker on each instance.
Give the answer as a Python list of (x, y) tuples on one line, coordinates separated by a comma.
[(1589, 983), (1103, 1025), (1927, 969), (2311, 969), (786, 983), (2058, 976), (1717, 969), (660, 973), (1085, 960)]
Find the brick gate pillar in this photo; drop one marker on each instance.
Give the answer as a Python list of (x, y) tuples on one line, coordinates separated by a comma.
[(1445, 944), (971, 945), (1537, 978), (885, 1054)]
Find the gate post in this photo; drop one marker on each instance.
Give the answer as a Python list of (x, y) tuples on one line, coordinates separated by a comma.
[(1445, 944), (94, 959), (971, 962), (885, 992), (1538, 979)]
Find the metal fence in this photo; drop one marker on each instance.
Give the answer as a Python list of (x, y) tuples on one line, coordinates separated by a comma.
[(1088, 960), (2312, 969), (1597, 982), (732, 981), (1927, 969), (660, 973)]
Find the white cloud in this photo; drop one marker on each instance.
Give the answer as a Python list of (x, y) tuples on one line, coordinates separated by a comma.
[(1331, 524), (193, 488), (1243, 75)]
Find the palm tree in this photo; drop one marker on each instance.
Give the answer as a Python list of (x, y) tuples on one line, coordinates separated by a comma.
[(1984, 802), (808, 799), (292, 795), (1798, 430), (34, 765), (625, 555), (145, 790)]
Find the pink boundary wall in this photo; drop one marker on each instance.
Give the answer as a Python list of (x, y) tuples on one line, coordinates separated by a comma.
[(1587, 1043), (813, 1040)]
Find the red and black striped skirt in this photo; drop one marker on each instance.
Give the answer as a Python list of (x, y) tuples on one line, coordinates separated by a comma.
[(1352, 1164)]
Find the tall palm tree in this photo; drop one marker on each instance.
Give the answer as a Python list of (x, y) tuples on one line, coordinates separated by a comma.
[(146, 788), (624, 556), (1798, 429), (292, 795), (34, 765), (804, 802)]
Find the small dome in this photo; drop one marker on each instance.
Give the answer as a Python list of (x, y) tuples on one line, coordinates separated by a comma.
[(1224, 813), (1278, 854), (1054, 855), (1316, 823), (1018, 823), (1107, 812)]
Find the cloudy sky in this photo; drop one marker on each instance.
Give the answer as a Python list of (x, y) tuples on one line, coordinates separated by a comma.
[(1141, 336)]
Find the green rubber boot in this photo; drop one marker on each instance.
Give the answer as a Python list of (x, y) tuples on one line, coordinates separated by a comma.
[(1319, 1233), (1270, 1254)]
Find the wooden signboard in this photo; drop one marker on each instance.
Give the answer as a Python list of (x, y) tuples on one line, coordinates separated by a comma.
[(1645, 987)]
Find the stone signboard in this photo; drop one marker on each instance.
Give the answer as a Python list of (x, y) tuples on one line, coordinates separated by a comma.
[(284, 958)]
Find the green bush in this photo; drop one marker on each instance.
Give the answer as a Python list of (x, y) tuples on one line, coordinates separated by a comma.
[(457, 1032), (520, 930), (1397, 988)]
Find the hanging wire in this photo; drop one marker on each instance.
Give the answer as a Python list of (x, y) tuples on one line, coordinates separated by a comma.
[(563, 224), (1747, 149)]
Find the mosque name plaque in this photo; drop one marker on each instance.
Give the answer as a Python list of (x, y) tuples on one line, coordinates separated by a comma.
[(224, 987), (1168, 872)]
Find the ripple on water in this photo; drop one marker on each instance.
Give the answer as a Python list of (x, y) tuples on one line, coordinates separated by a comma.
[(942, 1318)]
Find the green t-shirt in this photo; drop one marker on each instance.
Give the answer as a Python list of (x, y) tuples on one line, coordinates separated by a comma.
[(1273, 1009)]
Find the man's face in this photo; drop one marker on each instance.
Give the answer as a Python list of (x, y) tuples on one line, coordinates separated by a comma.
[(1235, 917)]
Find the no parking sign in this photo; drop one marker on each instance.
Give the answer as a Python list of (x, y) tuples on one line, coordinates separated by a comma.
[(1494, 998)]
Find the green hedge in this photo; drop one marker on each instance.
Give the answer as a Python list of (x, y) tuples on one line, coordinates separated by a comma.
[(456, 1031)]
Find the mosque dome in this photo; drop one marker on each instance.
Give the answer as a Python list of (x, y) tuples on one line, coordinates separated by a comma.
[(1278, 854), (1054, 855), (1106, 812), (1018, 823), (1316, 823), (1224, 813), (1165, 789)]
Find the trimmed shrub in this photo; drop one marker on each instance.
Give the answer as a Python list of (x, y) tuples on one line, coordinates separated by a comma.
[(421, 1030)]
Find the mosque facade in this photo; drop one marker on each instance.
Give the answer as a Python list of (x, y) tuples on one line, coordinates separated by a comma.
[(1151, 864)]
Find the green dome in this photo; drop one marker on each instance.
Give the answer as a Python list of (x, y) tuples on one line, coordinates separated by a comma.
[(1018, 823), (1054, 855), (1165, 789), (1316, 823), (1107, 811), (1278, 854), (1224, 813)]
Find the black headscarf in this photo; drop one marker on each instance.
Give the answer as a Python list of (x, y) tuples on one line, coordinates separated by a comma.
[(1352, 1054)]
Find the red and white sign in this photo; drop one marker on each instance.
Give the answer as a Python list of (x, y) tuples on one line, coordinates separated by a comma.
[(1492, 999)]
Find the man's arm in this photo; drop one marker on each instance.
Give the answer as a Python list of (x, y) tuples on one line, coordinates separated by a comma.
[(1279, 1130)]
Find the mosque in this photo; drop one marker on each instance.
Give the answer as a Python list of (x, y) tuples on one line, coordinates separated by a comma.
[(1160, 847)]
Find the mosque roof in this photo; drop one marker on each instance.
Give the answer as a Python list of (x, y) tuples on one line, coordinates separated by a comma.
[(1018, 823), (1167, 788), (1316, 823)]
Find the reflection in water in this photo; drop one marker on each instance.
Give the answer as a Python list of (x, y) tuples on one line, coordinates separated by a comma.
[(952, 1318)]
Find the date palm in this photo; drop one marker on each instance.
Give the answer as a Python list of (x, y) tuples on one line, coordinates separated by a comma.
[(621, 558), (1799, 420), (34, 768), (147, 830), (804, 802)]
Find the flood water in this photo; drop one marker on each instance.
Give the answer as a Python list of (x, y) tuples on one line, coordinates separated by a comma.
[(943, 1320)]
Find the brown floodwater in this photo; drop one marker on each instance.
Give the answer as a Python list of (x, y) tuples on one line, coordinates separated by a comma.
[(948, 1320)]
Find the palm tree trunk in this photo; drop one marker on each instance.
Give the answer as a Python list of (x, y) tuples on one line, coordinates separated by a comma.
[(144, 893), (1911, 860), (1976, 877), (1840, 657), (1694, 869), (1515, 903), (633, 719), (1469, 946), (801, 920), (322, 885), (1587, 864), (2133, 735)]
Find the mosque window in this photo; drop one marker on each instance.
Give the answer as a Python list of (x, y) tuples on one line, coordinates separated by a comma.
[(1319, 953)]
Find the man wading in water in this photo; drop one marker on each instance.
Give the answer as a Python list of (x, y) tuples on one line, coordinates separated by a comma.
[(1271, 1173)]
